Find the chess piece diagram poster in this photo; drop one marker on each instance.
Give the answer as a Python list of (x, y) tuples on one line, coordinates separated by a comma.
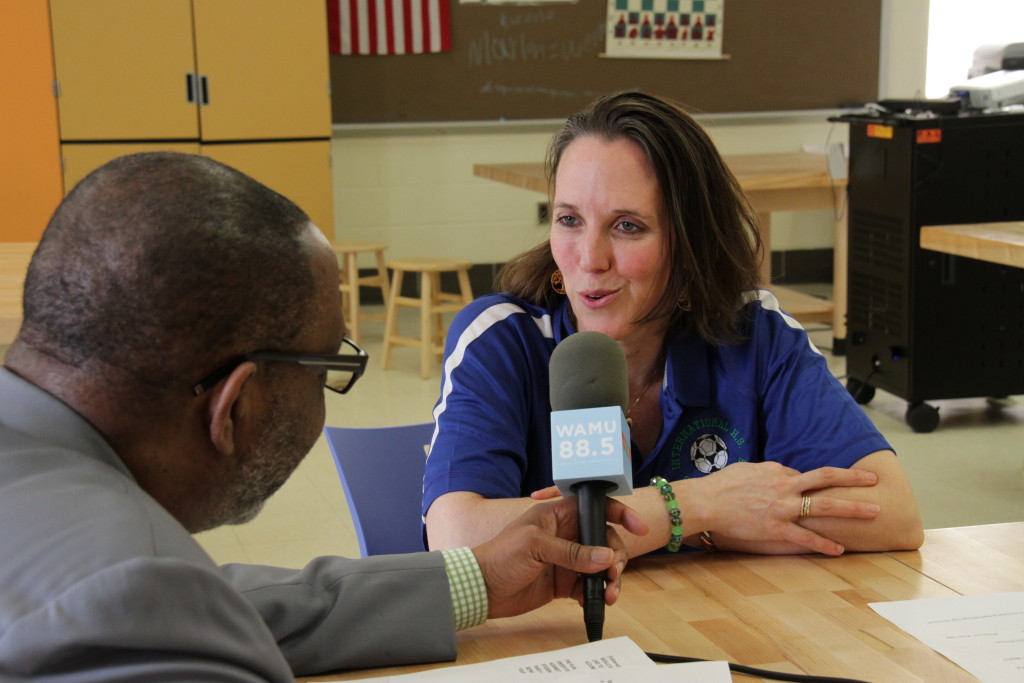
[(665, 29)]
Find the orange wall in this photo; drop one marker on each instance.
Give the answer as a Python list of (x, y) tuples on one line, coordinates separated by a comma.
[(30, 173)]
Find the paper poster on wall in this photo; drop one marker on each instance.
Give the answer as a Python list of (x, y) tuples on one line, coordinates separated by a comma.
[(665, 29)]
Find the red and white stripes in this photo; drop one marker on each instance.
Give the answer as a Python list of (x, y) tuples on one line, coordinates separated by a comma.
[(389, 27)]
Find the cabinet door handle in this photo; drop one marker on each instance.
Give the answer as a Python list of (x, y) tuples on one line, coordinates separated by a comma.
[(204, 87), (190, 88)]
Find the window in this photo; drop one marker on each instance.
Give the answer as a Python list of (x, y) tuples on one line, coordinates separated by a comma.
[(956, 28)]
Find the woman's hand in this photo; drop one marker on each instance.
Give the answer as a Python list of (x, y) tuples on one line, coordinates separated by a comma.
[(762, 502)]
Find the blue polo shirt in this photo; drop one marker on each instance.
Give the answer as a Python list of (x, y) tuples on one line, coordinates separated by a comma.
[(770, 397)]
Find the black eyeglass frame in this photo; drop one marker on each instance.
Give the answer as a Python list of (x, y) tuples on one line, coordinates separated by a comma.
[(354, 363)]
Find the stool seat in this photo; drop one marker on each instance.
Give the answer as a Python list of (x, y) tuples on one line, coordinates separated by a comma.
[(350, 281), (423, 264), (431, 302)]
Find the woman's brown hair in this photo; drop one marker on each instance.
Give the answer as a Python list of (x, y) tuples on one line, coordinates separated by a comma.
[(713, 242)]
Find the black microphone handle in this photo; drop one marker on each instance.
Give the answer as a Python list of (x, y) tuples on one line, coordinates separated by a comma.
[(590, 499)]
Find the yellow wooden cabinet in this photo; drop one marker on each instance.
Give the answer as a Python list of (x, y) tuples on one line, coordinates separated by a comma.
[(121, 69), (81, 158), (182, 74), (266, 65), (30, 181), (286, 166)]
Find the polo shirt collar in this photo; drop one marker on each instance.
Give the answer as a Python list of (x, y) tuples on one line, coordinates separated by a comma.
[(562, 325), (688, 364), (689, 368)]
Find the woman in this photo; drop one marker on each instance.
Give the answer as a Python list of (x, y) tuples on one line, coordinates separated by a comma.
[(653, 244)]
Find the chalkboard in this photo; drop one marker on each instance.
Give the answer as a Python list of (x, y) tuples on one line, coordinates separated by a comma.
[(543, 61)]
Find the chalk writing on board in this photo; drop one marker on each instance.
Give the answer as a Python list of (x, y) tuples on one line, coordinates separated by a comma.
[(488, 49), (504, 90), (492, 88), (539, 16)]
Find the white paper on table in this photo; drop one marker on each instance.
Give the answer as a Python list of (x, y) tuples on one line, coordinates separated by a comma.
[(983, 634), (616, 660), (689, 672)]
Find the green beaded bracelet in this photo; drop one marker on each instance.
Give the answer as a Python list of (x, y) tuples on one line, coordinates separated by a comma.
[(675, 516)]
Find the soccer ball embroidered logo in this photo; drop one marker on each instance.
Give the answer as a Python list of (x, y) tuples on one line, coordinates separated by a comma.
[(709, 453)]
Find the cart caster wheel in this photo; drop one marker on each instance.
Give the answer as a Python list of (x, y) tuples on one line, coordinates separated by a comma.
[(862, 393), (922, 417)]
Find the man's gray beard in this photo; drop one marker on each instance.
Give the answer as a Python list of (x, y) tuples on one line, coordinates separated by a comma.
[(262, 473)]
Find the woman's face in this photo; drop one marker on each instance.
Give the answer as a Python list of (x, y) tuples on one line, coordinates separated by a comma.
[(609, 236)]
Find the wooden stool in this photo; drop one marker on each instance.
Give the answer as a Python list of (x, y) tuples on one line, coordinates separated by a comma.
[(432, 302), (348, 256)]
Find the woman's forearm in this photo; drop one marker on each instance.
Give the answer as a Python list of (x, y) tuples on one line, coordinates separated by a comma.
[(461, 518), (898, 523)]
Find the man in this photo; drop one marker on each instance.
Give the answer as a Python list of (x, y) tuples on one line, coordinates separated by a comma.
[(153, 391)]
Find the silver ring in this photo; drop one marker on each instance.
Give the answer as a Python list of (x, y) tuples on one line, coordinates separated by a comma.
[(805, 506)]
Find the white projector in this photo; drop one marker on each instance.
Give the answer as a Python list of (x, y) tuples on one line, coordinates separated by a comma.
[(991, 91)]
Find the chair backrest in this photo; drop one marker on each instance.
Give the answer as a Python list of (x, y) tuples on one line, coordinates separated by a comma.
[(381, 470)]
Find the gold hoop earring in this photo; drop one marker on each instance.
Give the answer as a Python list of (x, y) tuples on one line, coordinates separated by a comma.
[(557, 283), (683, 303)]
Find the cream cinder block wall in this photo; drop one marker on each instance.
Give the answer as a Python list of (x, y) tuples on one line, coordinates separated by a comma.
[(413, 186), (417, 190)]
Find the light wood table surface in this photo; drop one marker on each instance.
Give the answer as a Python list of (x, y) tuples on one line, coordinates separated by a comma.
[(798, 614), (1001, 243), (796, 181), (14, 258)]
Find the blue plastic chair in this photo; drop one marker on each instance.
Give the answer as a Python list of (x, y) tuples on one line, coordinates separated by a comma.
[(381, 470)]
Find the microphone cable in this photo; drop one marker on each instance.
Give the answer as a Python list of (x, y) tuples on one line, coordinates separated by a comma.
[(753, 671)]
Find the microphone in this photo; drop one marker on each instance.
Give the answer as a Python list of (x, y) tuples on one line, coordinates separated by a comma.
[(590, 445)]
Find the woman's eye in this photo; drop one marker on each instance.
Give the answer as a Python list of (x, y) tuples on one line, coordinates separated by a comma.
[(567, 221), (628, 227)]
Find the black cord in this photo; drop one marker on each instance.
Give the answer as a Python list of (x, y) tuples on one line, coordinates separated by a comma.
[(857, 393), (752, 671)]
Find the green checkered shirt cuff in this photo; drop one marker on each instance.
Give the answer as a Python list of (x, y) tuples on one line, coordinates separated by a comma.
[(469, 592)]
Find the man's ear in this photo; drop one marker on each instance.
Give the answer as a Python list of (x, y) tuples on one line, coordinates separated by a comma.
[(228, 400)]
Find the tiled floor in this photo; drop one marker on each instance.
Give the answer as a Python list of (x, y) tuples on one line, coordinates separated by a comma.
[(968, 471)]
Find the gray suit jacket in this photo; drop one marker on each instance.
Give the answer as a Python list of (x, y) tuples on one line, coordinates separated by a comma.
[(100, 583)]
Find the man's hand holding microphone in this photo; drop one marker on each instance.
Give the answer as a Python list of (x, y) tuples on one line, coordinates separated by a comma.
[(555, 563)]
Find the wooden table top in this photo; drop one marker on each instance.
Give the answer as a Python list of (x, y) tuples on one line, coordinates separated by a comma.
[(797, 614), (14, 258), (788, 170), (801, 176), (1001, 243)]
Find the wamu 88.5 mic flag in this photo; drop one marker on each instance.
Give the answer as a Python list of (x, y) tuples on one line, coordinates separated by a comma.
[(589, 392)]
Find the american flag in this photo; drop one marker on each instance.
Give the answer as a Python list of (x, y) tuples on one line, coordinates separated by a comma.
[(389, 27)]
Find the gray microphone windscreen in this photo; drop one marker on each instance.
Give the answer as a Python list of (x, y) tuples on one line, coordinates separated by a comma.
[(588, 370)]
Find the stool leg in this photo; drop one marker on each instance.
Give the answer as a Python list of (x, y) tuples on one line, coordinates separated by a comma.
[(382, 277), (426, 338), (352, 274), (437, 336), (343, 285), (464, 287), (391, 319)]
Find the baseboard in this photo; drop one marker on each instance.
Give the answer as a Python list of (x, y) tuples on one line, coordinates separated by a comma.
[(801, 266), (481, 279)]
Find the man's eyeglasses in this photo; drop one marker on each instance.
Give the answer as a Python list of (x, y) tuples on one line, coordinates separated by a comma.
[(342, 369)]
